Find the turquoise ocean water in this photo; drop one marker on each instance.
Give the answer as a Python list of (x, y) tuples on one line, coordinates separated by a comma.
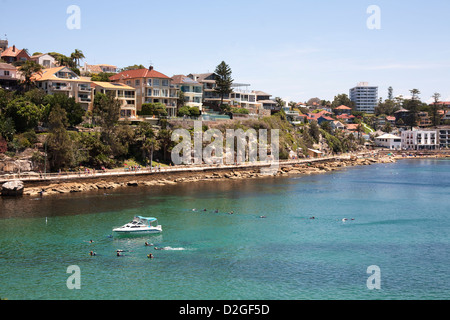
[(401, 224)]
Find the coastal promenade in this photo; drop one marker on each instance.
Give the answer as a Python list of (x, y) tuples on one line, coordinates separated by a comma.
[(133, 172)]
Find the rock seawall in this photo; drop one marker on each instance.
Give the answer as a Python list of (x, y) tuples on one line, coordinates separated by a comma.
[(170, 178)]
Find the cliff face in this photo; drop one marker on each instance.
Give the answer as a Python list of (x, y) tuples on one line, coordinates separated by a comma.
[(9, 165)]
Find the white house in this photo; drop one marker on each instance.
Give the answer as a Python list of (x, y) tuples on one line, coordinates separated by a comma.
[(45, 60), (389, 141)]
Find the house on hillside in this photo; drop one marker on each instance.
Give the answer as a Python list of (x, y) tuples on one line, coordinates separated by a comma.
[(193, 90), (151, 87), (12, 54), (9, 76), (63, 80), (125, 94), (342, 110), (45, 60)]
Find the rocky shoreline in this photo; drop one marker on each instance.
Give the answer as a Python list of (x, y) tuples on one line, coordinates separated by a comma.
[(109, 183)]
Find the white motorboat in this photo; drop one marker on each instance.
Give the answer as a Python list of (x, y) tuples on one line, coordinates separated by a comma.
[(140, 225)]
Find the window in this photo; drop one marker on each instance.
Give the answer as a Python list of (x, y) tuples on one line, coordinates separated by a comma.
[(149, 82), (156, 82), (165, 83), (156, 92), (6, 73), (128, 82), (137, 82), (165, 92)]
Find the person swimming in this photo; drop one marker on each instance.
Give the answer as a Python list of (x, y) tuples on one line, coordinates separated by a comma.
[(216, 211), (148, 244), (92, 253), (156, 248), (150, 256)]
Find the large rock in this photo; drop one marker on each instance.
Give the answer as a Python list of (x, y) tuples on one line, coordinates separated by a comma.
[(12, 188)]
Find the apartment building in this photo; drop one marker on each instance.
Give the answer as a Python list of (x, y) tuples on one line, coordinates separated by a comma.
[(193, 90), (63, 80), (125, 94), (150, 86), (444, 136), (365, 97), (420, 140)]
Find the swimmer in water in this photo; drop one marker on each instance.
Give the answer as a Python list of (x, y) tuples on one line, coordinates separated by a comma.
[(156, 248), (92, 253), (216, 211), (231, 212), (150, 256), (148, 244)]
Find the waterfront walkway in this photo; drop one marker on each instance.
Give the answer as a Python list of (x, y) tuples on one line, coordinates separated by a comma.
[(64, 176)]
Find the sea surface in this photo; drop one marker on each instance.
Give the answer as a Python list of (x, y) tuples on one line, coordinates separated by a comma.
[(268, 249)]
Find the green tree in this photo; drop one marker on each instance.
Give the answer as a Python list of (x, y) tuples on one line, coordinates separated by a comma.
[(413, 106), (194, 112), (435, 117), (181, 99), (102, 76), (59, 144), (342, 99), (223, 80), (76, 56), (74, 110), (107, 111), (24, 113), (7, 128), (27, 70), (183, 111)]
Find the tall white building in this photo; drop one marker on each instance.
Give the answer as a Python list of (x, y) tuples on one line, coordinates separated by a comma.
[(365, 97)]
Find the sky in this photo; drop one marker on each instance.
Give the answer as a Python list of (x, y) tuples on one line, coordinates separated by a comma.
[(294, 49)]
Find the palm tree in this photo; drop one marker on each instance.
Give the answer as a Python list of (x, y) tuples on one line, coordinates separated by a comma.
[(76, 56), (28, 69), (150, 145)]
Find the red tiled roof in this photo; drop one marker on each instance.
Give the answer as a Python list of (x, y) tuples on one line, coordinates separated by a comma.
[(345, 116), (138, 73), (343, 108)]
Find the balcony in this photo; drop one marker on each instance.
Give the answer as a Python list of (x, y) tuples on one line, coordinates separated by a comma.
[(61, 88)]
